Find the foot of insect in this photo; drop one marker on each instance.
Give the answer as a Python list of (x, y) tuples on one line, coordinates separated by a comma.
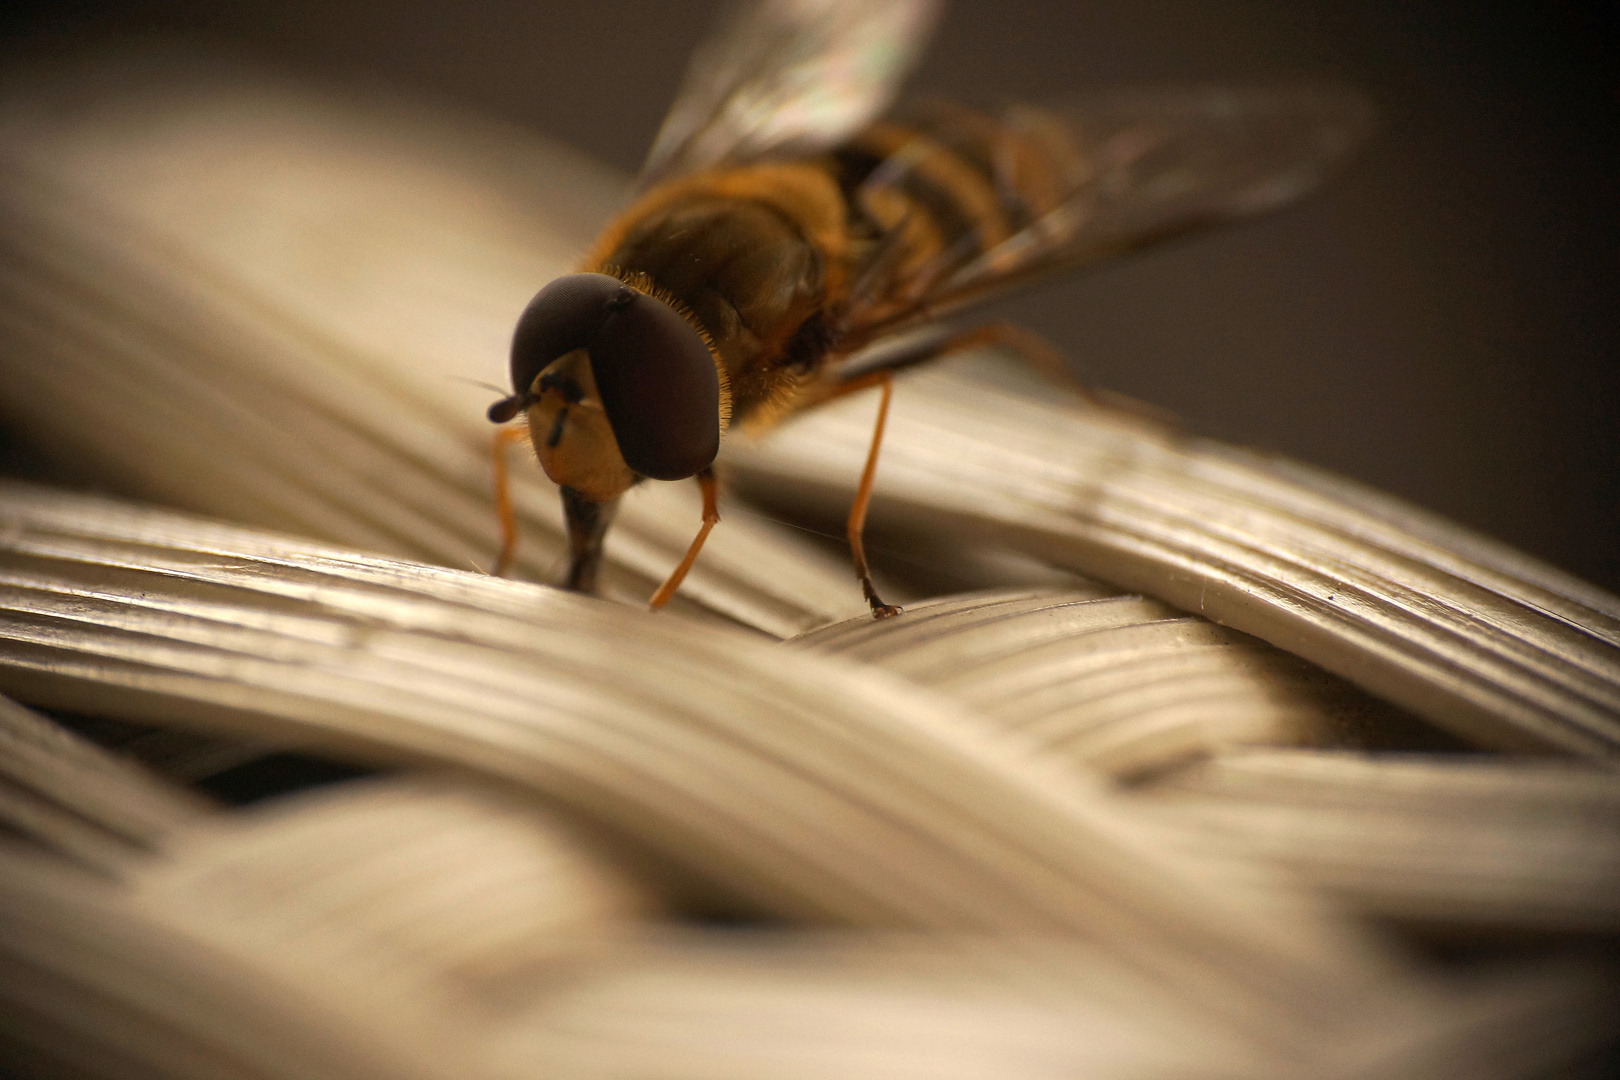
[(880, 610)]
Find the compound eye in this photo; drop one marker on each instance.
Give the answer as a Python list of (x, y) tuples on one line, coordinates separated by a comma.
[(562, 317), (659, 387)]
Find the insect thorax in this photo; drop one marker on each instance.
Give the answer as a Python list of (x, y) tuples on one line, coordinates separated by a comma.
[(754, 255)]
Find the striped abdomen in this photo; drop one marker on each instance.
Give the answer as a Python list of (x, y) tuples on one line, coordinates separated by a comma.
[(781, 263)]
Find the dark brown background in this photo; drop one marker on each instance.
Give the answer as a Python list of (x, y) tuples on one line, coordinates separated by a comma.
[(1438, 322)]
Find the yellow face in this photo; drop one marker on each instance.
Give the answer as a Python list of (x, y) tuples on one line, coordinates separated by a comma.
[(571, 433)]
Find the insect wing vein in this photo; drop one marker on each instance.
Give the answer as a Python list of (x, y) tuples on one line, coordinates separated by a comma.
[(784, 77)]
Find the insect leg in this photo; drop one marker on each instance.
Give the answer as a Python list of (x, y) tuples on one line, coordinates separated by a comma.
[(1029, 345), (503, 497), (1045, 359), (884, 379), (1033, 349), (711, 517)]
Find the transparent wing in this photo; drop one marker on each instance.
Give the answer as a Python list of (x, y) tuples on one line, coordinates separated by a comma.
[(783, 77), (1073, 184)]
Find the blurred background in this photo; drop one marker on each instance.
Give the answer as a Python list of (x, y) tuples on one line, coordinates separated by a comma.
[(1438, 322)]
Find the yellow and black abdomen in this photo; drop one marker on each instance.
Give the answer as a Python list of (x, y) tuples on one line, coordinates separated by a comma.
[(942, 185), (777, 263)]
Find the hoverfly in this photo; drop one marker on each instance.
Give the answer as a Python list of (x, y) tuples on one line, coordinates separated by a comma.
[(782, 231)]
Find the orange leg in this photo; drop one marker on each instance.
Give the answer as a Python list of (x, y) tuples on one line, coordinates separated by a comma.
[(1045, 358), (503, 497), (711, 517), (856, 527), (1031, 346)]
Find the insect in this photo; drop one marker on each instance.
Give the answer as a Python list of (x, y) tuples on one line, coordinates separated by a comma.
[(783, 233)]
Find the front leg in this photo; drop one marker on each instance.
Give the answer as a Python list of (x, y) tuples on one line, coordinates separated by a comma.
[(504, 517), (711, 518)]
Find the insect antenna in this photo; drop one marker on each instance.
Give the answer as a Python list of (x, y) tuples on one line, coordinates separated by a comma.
[(481, 384)]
